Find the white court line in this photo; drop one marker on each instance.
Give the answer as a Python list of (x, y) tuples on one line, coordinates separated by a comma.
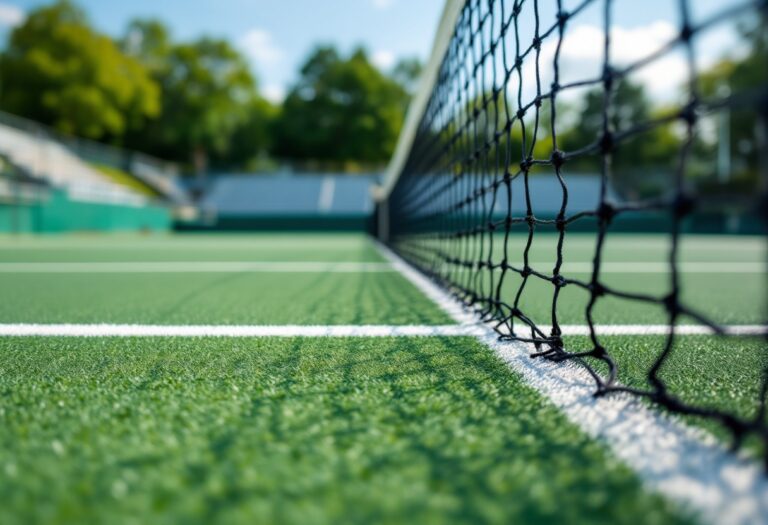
[(135, 330), (142, 330), (342, 267), (299, 244), (678, 461), (664, 267), (660, 329), (649, 267), (750, 244), (195, 267)]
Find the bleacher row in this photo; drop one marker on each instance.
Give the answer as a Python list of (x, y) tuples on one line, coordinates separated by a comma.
[(51, 182), (71, 163), (79, 171), (287, 201), (290, 194), (49, 161)]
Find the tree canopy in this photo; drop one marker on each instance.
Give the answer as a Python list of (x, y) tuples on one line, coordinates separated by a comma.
[(197, 102), (747, 139), (205, 86), (342, 110), (630, 106), (59, 71)]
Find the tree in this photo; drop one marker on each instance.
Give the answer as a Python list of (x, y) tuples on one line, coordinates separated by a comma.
[(251, 140), (649, 149), (208, 92), (342, 110), (59, 71), (407, 73), (149, 41), (742, 78)]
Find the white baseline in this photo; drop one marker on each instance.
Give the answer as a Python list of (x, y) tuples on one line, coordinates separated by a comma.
[(136, 330), (159, 330)]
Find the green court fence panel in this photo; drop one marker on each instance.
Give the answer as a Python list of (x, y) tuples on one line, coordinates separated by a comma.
[(58, 212)]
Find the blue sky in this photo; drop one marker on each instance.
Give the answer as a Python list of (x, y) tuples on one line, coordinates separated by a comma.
[(277, 35)]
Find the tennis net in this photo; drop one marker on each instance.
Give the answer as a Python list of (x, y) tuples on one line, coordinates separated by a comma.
[(537, 120)]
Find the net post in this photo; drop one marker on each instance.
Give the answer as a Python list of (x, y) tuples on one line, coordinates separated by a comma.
[(382, 216)]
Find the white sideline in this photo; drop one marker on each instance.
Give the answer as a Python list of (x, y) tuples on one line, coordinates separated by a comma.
[(343, 267), (141, 330), (195, 267), (678, 461), (134, 330)]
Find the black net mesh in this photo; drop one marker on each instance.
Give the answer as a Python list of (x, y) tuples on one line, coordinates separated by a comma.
[(500, 139)]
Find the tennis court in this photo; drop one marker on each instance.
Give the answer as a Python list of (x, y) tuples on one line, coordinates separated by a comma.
[(366, 423), (536, 295)]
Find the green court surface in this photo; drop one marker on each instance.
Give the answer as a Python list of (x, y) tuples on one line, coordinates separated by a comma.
[(217, 298), (726, 298), (351, 297), (264, 247), (328, 430), (713, 372), (293, 431)]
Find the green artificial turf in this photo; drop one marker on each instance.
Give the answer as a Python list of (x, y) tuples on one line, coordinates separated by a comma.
[(129, 248), (162, 241), (148, 254), (706, 371), (208, 298), (618, 247), (722, 297), (633, 247), (305, 431), (216, 298), (317, 298)]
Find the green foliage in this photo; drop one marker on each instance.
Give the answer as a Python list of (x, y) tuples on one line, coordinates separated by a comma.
[(742, 76), (529, 137), (205, 86), (251, 139), (630, 106), (341, 110), (59, 71), (642, 159), (197, 102), (149, 41), (407, 73)]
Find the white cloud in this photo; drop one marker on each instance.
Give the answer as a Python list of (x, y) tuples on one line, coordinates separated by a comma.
[(383, 59), (273, 93), (259, 46), (581, 56), (11, 16), (382, 4)]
